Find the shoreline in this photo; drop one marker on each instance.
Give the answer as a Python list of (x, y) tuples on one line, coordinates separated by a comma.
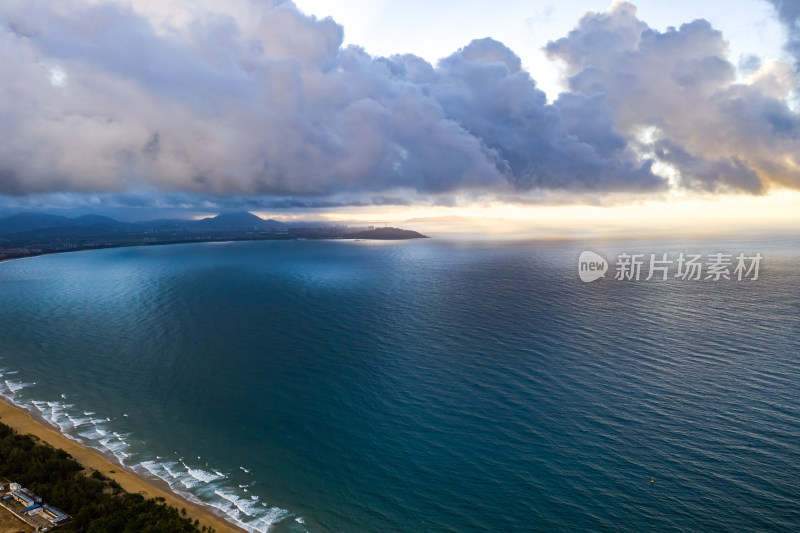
[(91, 458), (137, 245), (348, 237)]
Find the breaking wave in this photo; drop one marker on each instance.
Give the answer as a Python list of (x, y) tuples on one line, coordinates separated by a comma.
[(203, 485)]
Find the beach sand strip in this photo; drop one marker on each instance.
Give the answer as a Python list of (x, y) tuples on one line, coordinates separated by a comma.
[(25, 424)]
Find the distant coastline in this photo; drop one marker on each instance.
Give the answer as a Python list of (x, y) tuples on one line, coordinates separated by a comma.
[(32, 234), (26, 422)]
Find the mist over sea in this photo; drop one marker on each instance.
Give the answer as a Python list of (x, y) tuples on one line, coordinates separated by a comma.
[(427, 385)]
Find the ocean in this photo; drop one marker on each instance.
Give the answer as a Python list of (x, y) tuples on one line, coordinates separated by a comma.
[(430, 385)]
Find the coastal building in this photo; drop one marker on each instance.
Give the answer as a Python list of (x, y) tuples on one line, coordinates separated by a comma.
[(55, 516), (26, 497), (23, 498), (33, 505)]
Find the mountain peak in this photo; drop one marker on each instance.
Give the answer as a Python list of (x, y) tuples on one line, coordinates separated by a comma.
[(238, 215), (237, 220)]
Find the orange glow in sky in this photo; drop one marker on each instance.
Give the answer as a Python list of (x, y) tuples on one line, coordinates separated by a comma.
[(775, 212)]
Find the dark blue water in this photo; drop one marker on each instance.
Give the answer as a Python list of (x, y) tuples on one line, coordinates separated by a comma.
[(422, 386)]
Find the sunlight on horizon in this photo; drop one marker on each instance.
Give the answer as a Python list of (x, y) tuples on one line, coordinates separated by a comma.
[(778, 211)]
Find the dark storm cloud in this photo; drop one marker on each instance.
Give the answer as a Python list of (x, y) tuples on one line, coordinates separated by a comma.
[(261, 101), (700, 173), (148, 204), (100, 99), (570, 144)]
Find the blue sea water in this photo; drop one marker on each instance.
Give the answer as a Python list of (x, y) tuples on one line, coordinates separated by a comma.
[(437, 386)]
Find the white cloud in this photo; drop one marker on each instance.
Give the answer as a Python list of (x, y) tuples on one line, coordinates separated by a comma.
[(719, 134), (257, 99)]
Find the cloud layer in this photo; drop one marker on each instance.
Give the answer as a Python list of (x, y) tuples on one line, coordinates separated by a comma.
[(263, 101), (789, 13), (675, 94)]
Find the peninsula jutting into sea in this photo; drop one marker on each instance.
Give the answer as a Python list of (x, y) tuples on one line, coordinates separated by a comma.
[(31, 234)]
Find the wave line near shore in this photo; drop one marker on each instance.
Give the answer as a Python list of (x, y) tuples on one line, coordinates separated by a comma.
[(24, 422)]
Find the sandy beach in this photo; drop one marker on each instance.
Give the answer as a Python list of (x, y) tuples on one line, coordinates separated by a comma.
[(90, 458)]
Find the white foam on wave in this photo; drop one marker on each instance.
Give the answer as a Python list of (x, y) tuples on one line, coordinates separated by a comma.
[(202, 475), (178, 472), (172, 473), (72, 425), (117, 447), (15, 386), (248, 513), (78, 421), (153, 467), (54, 412), (213, 488), (164, 471), (94, 429), (39, 405), (208, 486)]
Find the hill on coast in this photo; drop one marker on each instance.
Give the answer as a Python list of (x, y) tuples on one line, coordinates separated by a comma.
[(44, 223), (389, 234), (29, 234)]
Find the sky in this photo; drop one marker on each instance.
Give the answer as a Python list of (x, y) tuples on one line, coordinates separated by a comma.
[(517, 115)]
